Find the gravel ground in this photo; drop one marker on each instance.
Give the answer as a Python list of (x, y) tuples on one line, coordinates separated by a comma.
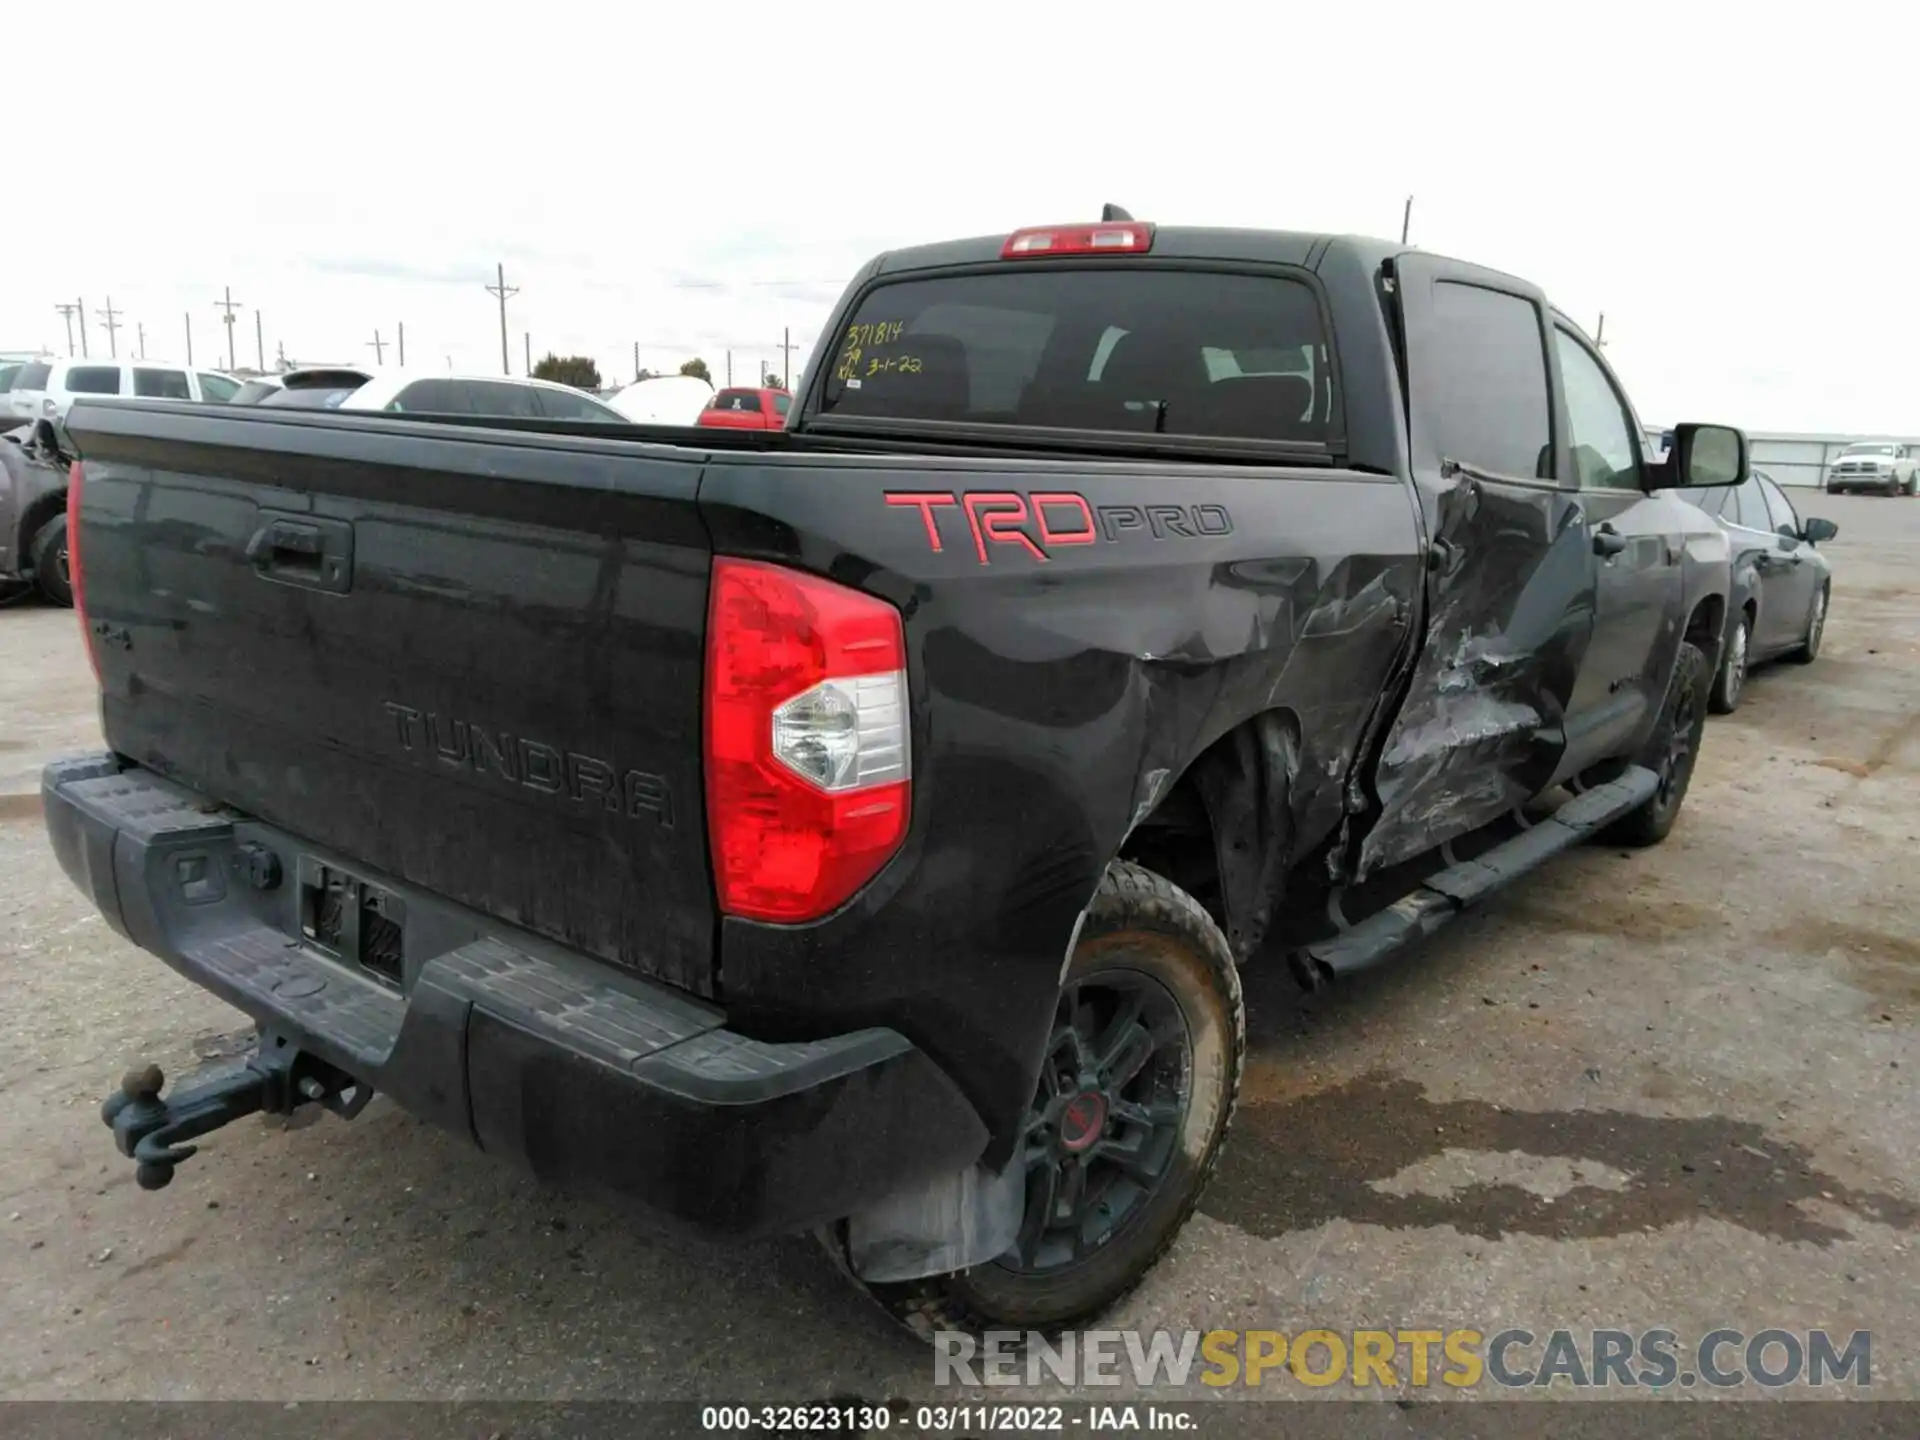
[(1667, 1088)]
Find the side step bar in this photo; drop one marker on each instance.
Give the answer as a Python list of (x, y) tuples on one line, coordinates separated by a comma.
[(1443, 896)]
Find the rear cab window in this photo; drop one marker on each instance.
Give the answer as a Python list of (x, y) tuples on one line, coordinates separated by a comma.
[(93, 380), (1128, 349), (217, 389), (743, 400)]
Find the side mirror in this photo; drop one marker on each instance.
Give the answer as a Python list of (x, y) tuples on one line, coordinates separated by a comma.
[(1706, 455), (1816, 530)]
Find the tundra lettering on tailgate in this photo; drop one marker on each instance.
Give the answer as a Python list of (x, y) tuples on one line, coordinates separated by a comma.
[(1044, 520), (468, 745)]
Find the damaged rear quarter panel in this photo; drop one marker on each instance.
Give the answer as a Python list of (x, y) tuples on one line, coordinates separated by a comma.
[(1054, 699)]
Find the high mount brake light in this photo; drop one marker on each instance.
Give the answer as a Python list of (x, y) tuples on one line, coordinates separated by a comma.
[(1129, 237), (75, 585), (809, 780)]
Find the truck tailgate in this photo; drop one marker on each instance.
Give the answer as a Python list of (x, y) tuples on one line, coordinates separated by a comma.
[(464, 657)]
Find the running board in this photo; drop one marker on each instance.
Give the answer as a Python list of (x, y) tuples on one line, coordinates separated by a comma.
[(1443, 896)]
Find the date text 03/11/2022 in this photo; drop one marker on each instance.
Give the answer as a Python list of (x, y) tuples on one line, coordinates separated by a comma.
[(957, 1420)]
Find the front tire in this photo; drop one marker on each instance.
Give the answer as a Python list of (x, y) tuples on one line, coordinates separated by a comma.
[(1670, 752), (49, 551), (1732, 676), (1809, 650), (1136, 1092)]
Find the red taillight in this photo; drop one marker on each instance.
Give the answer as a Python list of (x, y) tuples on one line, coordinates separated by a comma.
[(74, 584), (808, 773), (1117, 237)]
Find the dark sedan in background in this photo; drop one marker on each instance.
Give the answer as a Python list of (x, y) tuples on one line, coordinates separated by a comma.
[(1781, 582)]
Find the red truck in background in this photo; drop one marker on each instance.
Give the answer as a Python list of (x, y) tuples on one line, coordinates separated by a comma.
[(747, 409)]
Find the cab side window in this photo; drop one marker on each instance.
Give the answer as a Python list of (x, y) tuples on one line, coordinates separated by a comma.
[(1493, 411), (1779, 510), (1605, 456), (1748, 509)]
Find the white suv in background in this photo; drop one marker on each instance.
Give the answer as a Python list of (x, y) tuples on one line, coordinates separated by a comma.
[(510, 396), (46, 389)]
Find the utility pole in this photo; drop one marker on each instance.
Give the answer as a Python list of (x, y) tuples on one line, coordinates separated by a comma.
[(280, 359), (1406, 220), (729, 369), (83, 327), (1600, 335), (140, 329), (786, 359), (229, 305), (527, 336), (259, 343), (503, 290), (403, 343), (110, 317), (189, 337), (636, 362), (378, 347), (66, 314)]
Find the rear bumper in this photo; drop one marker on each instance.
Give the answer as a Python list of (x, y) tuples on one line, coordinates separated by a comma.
[(585, 1075)]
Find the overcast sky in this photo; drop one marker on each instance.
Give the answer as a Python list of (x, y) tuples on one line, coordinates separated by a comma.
[(1737, 196)]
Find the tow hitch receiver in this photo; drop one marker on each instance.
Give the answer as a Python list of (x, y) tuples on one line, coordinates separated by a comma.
[(149, 1129)]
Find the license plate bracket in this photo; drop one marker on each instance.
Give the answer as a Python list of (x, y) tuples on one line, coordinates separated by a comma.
[(353, 921)]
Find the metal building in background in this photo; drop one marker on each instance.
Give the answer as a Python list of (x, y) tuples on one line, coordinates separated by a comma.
[(1794, 459)]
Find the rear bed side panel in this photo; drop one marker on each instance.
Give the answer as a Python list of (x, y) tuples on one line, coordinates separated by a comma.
[(500, 698), (1054, 699)]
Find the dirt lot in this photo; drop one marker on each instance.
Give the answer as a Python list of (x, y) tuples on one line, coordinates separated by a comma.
[(1669, 1088)]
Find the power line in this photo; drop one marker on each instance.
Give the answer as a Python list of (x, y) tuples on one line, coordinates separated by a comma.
[(503, 290), (110, 317), (229, 305)]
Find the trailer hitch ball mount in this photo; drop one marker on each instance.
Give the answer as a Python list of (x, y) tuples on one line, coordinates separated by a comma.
[(149, 1128)]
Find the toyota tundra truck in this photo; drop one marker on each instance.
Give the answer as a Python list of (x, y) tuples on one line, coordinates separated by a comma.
[(858, 829)]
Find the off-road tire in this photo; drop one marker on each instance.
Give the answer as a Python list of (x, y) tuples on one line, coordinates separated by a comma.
[(1808, 650), (1730, 680), (1140, 922), (1683, 716), (49, 552)]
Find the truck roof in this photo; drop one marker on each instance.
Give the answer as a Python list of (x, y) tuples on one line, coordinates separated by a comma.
[(1175, 242), (1307, 249)]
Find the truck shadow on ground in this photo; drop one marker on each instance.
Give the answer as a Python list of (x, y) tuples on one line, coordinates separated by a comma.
[(1299, 1163), (1376, 1149)]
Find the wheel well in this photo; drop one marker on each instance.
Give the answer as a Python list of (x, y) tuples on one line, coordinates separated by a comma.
[(1704, 625), (38, 514), (1223, 831)]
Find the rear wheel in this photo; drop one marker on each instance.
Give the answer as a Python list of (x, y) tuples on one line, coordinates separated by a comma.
[(1816, 630), (49, 551), (1732, 676), (1135, 1094), (1670, 752)]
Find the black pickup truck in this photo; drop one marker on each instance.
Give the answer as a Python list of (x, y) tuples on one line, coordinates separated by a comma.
[(856, 829)]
